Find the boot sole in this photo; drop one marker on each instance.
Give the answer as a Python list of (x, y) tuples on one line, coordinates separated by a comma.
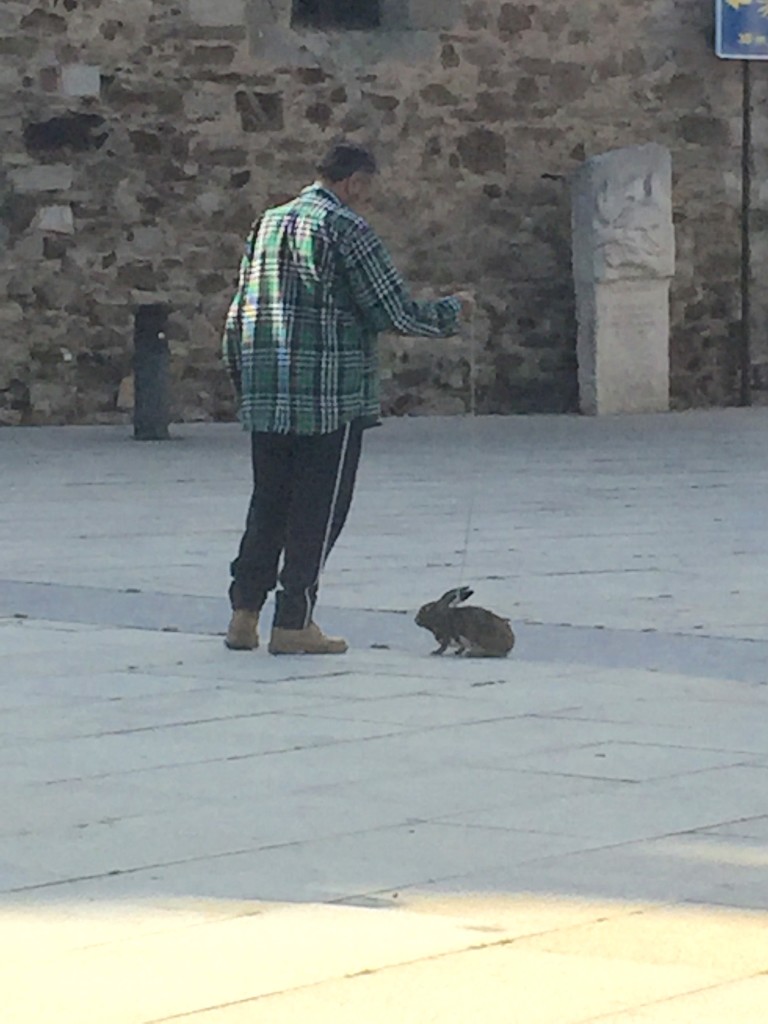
[(278, 652)]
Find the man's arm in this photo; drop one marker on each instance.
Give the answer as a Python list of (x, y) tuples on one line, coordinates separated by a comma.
[(231, 346), (232, 342), (381, 293)]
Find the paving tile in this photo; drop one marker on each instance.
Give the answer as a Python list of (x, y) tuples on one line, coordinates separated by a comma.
[(671, 870), (630, 761), (148, 863), (456, 792), (743, 1001), (745, 828), (514, 986), (726, 944), (59, 760), (636, 811), (219, 960)]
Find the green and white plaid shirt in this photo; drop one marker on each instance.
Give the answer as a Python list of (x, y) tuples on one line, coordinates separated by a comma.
[(316, 287)]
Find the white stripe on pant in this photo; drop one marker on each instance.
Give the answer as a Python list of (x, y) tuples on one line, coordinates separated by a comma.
[(329, 523)]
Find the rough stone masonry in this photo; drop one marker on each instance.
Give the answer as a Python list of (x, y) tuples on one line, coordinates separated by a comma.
[(140, 138)]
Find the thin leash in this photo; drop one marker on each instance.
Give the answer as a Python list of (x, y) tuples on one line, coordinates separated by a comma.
[(471, 415)]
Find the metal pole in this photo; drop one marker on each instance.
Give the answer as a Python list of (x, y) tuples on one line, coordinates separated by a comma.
[(745, 355)]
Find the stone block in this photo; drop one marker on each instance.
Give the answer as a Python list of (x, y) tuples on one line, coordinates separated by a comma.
[(70, 131), (148, 240), (265, 15), (259, 111), (42, 178), (216, 13), (48, 398), (126, 395), (56, 219), (623, 260), (623, 347), (11, 314), (203, 103), (81, 80), (210, 202), (483, 151), (29, 248), (425, 14)]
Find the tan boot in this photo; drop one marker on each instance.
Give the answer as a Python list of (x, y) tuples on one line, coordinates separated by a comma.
[(311, 640), (243, 632)]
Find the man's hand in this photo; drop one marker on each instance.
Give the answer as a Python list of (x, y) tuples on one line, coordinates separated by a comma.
[(468, 303)]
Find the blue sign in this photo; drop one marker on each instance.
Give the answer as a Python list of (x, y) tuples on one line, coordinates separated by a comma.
[(742, 29)]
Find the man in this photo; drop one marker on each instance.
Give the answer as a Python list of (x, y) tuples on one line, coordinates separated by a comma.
[(316, 287)]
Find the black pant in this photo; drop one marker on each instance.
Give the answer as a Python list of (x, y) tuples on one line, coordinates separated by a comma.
[(302, 490)]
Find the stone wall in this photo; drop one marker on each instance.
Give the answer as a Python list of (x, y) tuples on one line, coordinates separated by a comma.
[(140, 138)]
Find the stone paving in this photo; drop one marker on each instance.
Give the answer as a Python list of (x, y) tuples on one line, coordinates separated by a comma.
[(576, 834)]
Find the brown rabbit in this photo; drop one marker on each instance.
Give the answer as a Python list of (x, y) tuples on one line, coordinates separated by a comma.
[(474, 631)]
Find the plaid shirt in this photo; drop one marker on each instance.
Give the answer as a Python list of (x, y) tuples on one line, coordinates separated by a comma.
[(316, 287)]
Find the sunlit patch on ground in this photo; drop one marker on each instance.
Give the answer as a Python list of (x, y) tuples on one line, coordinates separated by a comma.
[(437, 957)]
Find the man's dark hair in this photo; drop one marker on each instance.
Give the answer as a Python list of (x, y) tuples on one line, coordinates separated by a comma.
[(344, 159)]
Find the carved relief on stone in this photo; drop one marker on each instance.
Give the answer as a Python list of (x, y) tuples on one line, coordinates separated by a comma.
[(631, 225), (624, 210)]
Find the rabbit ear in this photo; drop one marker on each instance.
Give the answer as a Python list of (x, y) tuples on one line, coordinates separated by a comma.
[(453, 597)]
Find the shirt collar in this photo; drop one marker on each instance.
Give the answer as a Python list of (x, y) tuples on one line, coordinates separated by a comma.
[(317, 186)]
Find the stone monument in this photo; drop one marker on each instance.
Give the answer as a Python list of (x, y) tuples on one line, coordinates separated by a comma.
[(623, 261)]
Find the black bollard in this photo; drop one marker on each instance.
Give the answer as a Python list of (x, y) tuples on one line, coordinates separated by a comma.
[(151, 358)]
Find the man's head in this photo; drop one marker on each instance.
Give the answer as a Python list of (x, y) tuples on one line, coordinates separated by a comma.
[(348, 170)]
